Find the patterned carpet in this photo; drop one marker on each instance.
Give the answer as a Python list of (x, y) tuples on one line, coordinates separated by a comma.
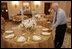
[(67, 39)]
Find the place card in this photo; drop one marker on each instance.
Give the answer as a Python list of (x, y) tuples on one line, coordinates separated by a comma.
[(45, 29), (48, 22), (9, 31), (45, 33), (9, 36)]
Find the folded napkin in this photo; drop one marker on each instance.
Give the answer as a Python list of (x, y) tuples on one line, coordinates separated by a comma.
[(36, 37), (21, 39)]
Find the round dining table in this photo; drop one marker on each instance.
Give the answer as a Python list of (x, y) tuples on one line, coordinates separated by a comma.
[(45, 42)]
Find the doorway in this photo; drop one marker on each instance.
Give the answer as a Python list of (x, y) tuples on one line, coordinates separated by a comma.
[(4, 11), (46, 8)]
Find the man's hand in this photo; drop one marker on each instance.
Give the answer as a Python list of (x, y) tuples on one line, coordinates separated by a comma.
[(53, 27)]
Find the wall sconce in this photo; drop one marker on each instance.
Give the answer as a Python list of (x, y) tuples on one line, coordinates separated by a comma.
[(15, 3), (37, 3), (25, 4)]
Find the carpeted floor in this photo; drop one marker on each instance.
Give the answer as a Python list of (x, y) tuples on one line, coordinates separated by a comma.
[(67, 40)]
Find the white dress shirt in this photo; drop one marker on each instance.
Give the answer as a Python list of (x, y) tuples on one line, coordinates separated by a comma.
[(61, 18)]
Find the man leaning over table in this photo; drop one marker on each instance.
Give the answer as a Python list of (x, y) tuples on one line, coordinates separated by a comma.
[(59, 22)]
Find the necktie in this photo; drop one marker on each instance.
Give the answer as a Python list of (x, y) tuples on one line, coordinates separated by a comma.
[(55, 17)]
